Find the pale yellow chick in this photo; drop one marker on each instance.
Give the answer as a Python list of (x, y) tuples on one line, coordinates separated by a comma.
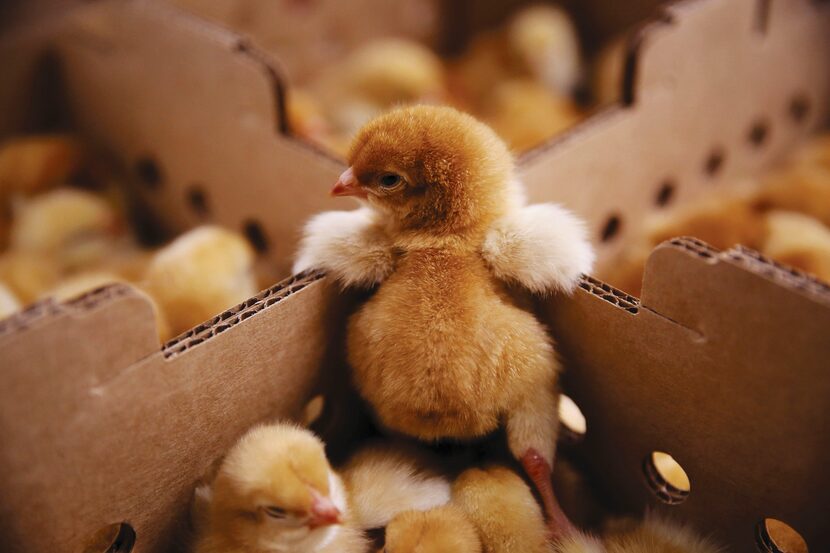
[(388, 478), (81, 283), (74, 227), (200, 274), (376, 77), (652, 535), (800, 241), (276, 493), (9, 304), (28, 275), (442, 530)]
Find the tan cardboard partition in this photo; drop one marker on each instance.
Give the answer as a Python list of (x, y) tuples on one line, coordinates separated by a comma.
[(722, 364)]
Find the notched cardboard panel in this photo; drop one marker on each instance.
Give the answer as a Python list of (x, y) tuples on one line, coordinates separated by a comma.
[(108, 440), (729, 385), (701, 77)]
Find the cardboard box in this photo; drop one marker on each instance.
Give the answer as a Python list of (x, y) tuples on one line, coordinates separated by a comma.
[(722, 363)]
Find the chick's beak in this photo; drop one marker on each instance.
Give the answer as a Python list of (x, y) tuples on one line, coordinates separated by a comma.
[(347, 185), (323, 512)]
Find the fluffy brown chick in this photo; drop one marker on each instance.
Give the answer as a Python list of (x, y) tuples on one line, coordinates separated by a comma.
[(35, 163), (502, 509), (442, 530), (199, 275), (442, 350), (275, 492)]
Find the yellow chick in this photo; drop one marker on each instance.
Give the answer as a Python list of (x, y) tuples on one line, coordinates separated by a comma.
[(540, 43), (199, 275), (444, 235), (388, 478), (378, 76), (75, 227), (525, 114), (275, 492), (652, 535), (35, 163), (9, 304), (803, 187), (502, 509), (800, 241), (81, 283), (28, 275), (442, 530)]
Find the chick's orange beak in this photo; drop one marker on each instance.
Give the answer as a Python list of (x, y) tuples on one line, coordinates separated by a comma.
[(347, 185), (323, 512)]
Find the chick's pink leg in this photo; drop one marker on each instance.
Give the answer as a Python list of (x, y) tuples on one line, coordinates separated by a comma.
[(539, 472)]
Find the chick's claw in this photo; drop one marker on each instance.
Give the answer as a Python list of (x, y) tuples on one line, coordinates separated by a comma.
[(539, 472)]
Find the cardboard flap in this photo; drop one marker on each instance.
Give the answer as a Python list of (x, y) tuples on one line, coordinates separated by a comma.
[(699, 80), (130, 447), (730, 386)]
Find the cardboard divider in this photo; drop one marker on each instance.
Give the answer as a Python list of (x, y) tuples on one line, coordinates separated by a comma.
[(101, 426), (729, 385)]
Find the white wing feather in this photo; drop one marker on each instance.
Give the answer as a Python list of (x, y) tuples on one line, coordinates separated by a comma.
[(349, 245), (541, 247)]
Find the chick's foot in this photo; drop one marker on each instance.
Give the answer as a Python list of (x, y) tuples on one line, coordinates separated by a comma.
[(539, 471)]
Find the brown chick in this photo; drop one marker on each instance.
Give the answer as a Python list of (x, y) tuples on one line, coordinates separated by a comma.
[(502, 509), (800, 241), (76, 228), (652, 535), (442, 350), (35, 163), (275, 492), (442, 530), (199, 275), (525, 114)]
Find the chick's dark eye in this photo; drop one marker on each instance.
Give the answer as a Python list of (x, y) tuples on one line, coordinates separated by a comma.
[(275, 512), (389, 180)]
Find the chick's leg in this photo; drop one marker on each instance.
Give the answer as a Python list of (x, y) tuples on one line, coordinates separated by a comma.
[(532, 427)]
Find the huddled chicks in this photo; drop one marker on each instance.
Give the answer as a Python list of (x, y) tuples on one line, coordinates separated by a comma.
[(522, 79), (276, 492), (785, 216), (62, 241)]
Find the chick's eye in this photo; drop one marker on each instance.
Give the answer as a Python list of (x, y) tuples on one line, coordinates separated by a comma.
[(275, 512), (389, 180)]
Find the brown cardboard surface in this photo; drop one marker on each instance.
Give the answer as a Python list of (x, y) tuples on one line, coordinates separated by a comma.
[(100, 426), (722, 364)]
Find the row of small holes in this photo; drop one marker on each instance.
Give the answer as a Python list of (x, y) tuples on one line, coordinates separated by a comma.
[(151, 175), (757, 136)]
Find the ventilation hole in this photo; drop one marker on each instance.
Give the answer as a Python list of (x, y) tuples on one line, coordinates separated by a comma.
[(571, 417), (665, 193), (774, 536), (197, 199), (149, 172), (762, 16), (113, 538), (714, 163), (611, 228), (313, 410), (799, 108), (256, 236), (666, 478), (758, 133)]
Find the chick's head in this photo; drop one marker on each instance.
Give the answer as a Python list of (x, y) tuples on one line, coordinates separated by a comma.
[(441, 530), (275, 491), (429, 169)]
